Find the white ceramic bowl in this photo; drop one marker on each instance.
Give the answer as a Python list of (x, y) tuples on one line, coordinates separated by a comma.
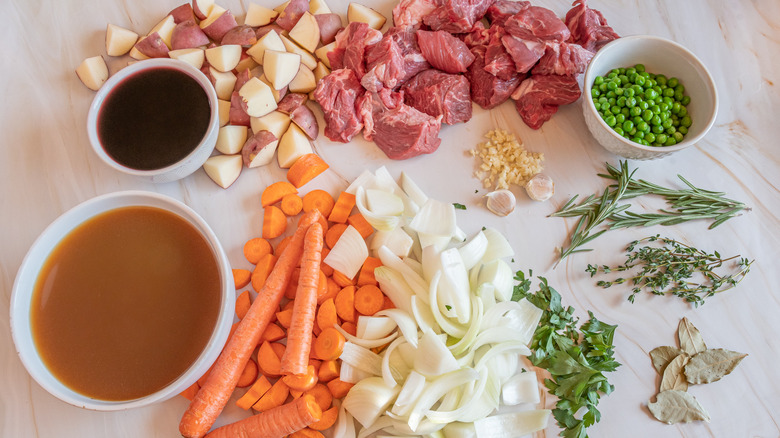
[(24, 284), (188, 164), (660, 56)]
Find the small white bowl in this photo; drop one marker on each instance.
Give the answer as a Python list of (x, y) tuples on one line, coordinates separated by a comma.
[(21, 298), (183, 167), (660, 56)]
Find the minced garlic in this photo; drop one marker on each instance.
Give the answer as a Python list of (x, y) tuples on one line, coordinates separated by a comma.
[(505, 161)]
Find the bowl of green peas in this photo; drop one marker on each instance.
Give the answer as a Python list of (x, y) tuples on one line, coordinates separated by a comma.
[(646, 97)]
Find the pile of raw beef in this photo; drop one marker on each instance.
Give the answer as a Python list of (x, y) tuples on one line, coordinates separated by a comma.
[(398, 88)]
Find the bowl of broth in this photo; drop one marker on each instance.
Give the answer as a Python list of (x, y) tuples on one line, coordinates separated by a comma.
[(157, 119), (123, 301)]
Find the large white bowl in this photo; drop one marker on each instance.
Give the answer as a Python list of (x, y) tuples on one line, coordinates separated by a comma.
[(660, 56), (24, 284), (187, 165)]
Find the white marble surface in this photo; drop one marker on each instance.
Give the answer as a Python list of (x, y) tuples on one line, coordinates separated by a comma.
[(47, 166)]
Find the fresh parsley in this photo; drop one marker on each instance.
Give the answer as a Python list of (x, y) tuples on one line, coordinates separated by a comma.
[(459, 206)]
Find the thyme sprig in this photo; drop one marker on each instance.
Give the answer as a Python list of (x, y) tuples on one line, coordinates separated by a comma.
[(686, 204), (668, 269)]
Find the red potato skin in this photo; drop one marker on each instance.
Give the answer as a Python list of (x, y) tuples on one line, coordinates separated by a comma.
[(237, 115), (255, 144), (262, 30), (330, 25), (153, 46), (187, 35), (305, 119), (241, 35), (291, 101), (198, 13), (242, 78), (183, 13), (291, 14), (222, 25)]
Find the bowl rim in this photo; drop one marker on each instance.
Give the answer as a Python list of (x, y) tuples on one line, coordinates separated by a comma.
[(21, 296), (688, 141), (140, 66)]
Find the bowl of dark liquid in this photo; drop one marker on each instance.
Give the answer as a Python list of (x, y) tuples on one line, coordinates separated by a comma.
[(156, 119)]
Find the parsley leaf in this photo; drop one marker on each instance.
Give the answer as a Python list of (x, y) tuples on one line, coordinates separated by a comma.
[(459, 206)]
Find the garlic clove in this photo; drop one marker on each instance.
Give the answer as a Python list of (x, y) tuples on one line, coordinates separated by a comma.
[(501, 202), (540, 188)]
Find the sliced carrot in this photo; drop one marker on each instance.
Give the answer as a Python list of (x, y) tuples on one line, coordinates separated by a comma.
[(282, 245), (299, 334), (334, 233), (388, 304), (316, 364), (256, 248), (328, 419), (322, 285), (329, 345), (325, 225), (243, 301), (361, 224), (345, 303), (253, 394), (366, 275), (326, 314), (320, 200), (291, 205), (306, 168), (343, 207), (268, 361), (274, 222), (190, 392), (369, 299), (272, 333), (322, 396), (292, 288), (285, 318), (288, 305), (273, 397), (249, 375), (215, 393), (331, 291), (277, 422), (275, 192), (241, 277), (339, 388), (294, 393), (306, 432), (349, 327), (262, 270), (278, 349), (341, 279), (325, 267), (329, 370), (302, 382)]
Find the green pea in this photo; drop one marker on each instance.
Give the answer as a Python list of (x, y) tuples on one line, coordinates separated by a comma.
[(670, 142), (675, 122), (655, 109), (632, 132), (611, 86), (672, 82), (660, 138), (638, 89), (680, 88), (611, 93), (631, 103), (683, 112), (640, 80), (643, 126), (637, 140), (630, 70), (676, 108), (664, 107), (686, 121), (686, 100), (657, 129), (628, 125), (621, 101), (599, 80), (620, 91), (650, 137), (650, 93), (647, 115), (644, 105), (678, 137), (610, 120), (619, 130), (605, 106), (603, 87), (661, 79), (620, 118), (636, 111), (668, 92), (640, 67), (656, 120), (678, 96), (612, 73), (666, 124), (649, 83), (595, 92), (625, 112), (615, 109), (637, 120), (671, 130), (622, 70), (629, 92), (623, 79), (682, 130)]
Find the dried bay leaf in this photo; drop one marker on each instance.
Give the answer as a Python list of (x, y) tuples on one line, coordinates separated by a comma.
[(673, 376), (661, 356), (674, 406), (711, 365), (690, 338)]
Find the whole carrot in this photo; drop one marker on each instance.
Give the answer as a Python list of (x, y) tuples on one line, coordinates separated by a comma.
[(299, 335), (274, 423), (218, 387)]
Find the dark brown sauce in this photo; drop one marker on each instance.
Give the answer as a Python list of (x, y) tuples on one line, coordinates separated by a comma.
[(153, 119), (126, 303)]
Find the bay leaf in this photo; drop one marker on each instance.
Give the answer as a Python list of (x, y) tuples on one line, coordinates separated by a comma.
[(674, 406), (673, 376), (690, 338), (711, 365), (661, 356)]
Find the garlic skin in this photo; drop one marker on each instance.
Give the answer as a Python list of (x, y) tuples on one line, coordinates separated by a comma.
[(540, 188), (501, 202)]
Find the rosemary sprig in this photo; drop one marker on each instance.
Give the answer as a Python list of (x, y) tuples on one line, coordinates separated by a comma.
[(687, 204), (666, 270)]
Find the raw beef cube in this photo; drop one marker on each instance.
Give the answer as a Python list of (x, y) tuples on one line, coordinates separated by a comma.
[(456, 16), (414, 61), (501, 10), (385, 64), (369, 105), (588, 27), (404, 132), (489, 91), (440, 94), (539, 22), (410, 13), (498, 61), (525, 52), (478, 36), (538, 97), (563, 59), (444, 52), (336, 93), (351, 45)]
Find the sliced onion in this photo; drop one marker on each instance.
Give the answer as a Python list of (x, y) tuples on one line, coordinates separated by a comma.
[(431, 262), (387, 374), (405, 322), (396, 240), (451, 328), (498, 246), (345, 426), (349, 252), (361, 358), (458, 429), (366, 179), (473, 250), (384, 203), (366, 343), (380, 222), (498, 335), (433, 358), (455, 285), (434, 240), (471, 333), (487, 295), (435, 218), (374, 327), (350, 374), (437, 388), (394, 286), (391, 261), (368, 399), (423, 316), (471, 398), (387, 182), (513, 424), (499, 274), (410, 392), (415, 265), (520, 388), (413, 190)]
